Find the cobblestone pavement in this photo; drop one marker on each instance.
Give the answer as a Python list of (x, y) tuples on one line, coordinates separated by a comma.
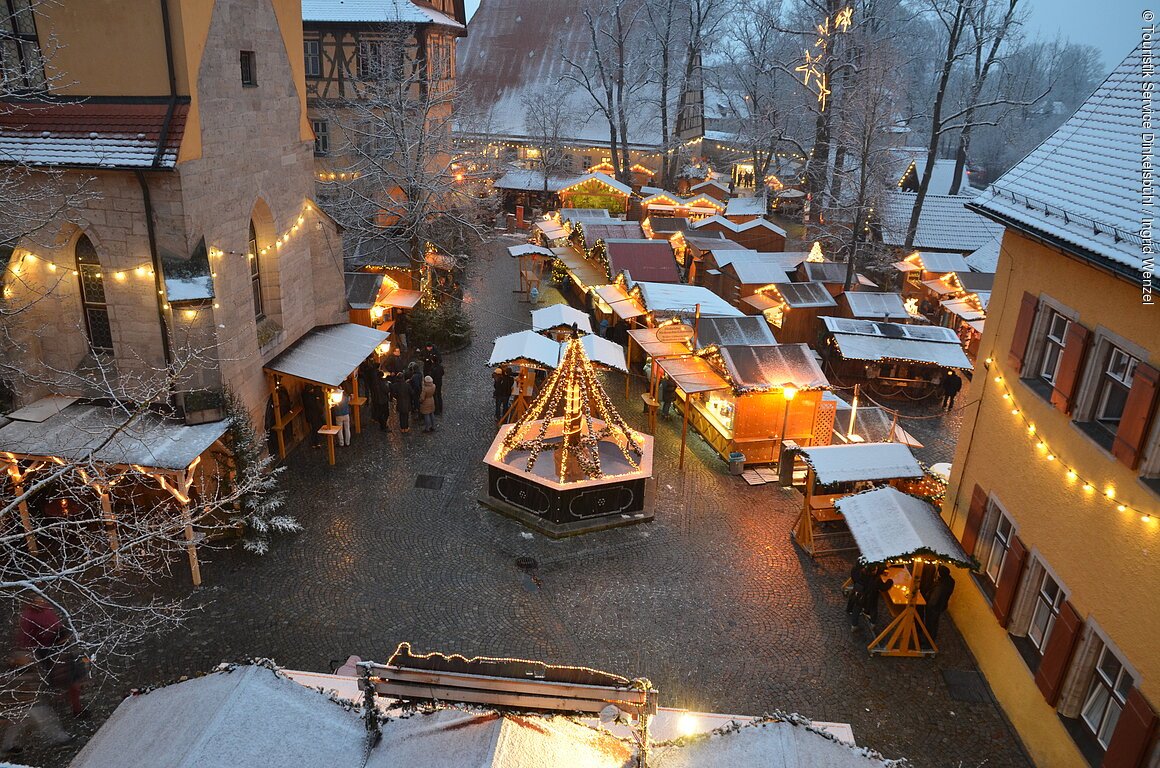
[(711, 601)]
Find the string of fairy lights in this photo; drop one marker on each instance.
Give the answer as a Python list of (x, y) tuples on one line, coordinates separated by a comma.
[(1088, 486), (29, 260)]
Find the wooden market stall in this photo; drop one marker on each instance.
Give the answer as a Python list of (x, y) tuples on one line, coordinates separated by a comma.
[(753, 399), (327, 356), (116, 451), (642, 259), (596, 190), (533, 261), (906, 534), (792, 309), (891, 358), (376, 300), (556, 321), (883, 306), (921, 266), (834, 471), (694, 207), (760, 234)]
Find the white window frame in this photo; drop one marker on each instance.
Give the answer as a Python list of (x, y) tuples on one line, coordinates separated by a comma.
[(1042, 600), (988, 534), (1050, 341), (1102, 682), (1033, 361), (1086, 394)]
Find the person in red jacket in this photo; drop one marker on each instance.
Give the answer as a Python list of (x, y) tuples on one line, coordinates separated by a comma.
[(42, 633)]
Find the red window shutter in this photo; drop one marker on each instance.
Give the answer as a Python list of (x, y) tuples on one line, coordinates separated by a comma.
[(1009, 581), (1133, 735), (975, 515), (1067, 378), (1138, 411), (1057, 654), (1022, 331)]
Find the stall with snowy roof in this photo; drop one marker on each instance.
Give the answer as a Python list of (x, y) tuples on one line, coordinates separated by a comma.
[(640, 259), (889, 358), (532, 260), (882, 306), (792, 309), (596, 190), (760, 234), (834, 471), (693, 207), (908, 535), (596, 473), (752, 399), (920, 267)]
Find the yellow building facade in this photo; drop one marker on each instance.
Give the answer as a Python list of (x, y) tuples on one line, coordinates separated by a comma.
[(1055, 487)]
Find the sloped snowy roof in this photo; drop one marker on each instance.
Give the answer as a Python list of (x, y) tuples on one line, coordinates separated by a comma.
[(771, 744), (583, 214), (374, 11), (362, 288), (188, 288), (890, 525), (986, 257), (862, 461), (720, 331), (941, 177), (97, 133), (327, 354), (873, 305), (1081, 187), (945, 224), (601, 178), (872, 341), (805, 294), (751, 271), (525, 249), (680, 298), (826, 271), (109, 436), (560, 316), (746, 206), (529, 345), (710, 222), (943, 262), (612, 229), (767, 367), (526, 180)]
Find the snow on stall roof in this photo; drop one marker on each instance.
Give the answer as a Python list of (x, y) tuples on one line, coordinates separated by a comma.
[(529, 345), (720, 221), (713, 241), (757, 368), (871, 341), (583, 214), (1100, 145), (602, 178), (374, 11), (826, 271), (668, 223), (109, 436), (679, 298), (328, 354), (757, 271), (963, 308), (874, 305), (560, 316), (720, 331), (525, 249), (612, 230), (804, 294), (788, 742), (362, 288), (746, 206), (531, 181), (985, 258), (945, 223), (862, 461), (888, 524), (943, 262), (976, 282)]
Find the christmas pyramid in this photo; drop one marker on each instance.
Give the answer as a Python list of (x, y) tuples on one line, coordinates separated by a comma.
[(572, 399)]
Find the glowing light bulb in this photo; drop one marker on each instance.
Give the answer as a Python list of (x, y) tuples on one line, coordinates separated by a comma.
[(1110, 492), (1041, 445), (1071, 475), (1031, 428), (1051, 457), (51, 267), (998, 379), (1121, 508), (1014, 411), (1088, 487), (119, 275), (1006, 395)]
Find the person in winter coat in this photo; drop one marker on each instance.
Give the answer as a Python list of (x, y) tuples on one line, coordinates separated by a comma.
[(937, 600), (342, 412), (437, 376), (380, 393), (416, 382), (430, 357), (315, 416), (42, 634), (668, 395), (950, 388), (502, 383), (399, 330), (427, 404), (23, 698), (401, 390)]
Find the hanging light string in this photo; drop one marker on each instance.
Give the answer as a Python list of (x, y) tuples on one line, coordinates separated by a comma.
[(1086, 485)]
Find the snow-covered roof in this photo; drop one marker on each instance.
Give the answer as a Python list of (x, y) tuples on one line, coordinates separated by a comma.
[(775, 743), (733, 226), (862, 461), (1080, 188), (81, 431), (533, 181), (943, 262), (964, 308), (985, 258), (746, 206), (942, 176), (583, 214), (600, 178), (560, 316), (754, 271), (873, 341), (890, 525), (612, 229), (713, 241), (679, 298), (374, 11), (945, 224), (803, 295), (529, 345), (759, 368), (362, 288), (328, 354), (525, 249), (720, 331), (874, 305), (710, 183), (188, 288), (98, 133)]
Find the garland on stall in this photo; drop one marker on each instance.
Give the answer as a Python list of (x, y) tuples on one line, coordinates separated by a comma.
[(573, 395)]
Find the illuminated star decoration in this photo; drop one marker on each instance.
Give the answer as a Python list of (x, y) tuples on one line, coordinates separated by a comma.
[(843, 19), (811, 69)]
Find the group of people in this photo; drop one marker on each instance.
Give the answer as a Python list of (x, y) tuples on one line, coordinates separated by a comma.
[(411, 380), (867, 584), (44, 665)]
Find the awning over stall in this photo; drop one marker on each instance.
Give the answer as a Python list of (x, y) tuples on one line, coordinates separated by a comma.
[(362, 289), (560, 316), (890, 525), (328, 354), (106, 435), (692, 374), (756, 369), (583, 272), (720, 331), (647, 339), (877, 305), (529, 249), (669, 298), (870, 341), (861, 461), (401, 298)]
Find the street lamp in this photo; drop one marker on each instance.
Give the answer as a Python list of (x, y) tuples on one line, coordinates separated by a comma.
[(788, 393)]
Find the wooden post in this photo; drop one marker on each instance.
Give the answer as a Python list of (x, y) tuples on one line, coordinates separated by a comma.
[(25, 518), (804, 532), (904, 636), (685, 428), (278, 426), (110, 524), (191, 546), (329, 427), (356, 401), (627, 365)]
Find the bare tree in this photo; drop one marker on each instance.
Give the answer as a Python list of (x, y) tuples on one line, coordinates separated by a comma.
[(546, 116), (399, 177), (611, 75)]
